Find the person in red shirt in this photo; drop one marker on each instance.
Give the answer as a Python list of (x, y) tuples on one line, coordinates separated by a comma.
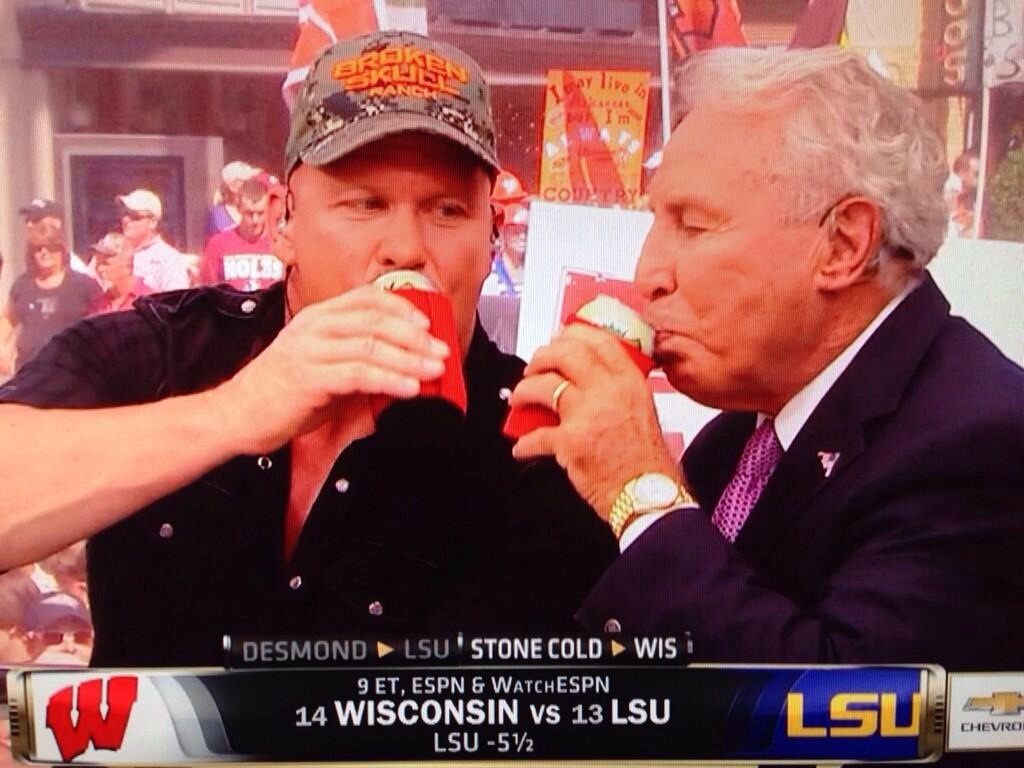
[(241, 256), (113, 255)]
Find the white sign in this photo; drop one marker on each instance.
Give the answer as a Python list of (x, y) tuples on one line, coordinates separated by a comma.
[(984, 282), (1004, 42), (985, 711)]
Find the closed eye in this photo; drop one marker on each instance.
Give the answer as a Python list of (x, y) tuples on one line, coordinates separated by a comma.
[(691, 223), (688, 219), (693, 229)]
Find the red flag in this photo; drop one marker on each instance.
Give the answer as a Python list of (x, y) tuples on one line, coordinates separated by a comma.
[(321, 23), (820, 24), (696, 25)]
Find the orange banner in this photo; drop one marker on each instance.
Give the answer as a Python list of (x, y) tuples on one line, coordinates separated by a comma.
[(697, 25), (594, 129), (321, 23)]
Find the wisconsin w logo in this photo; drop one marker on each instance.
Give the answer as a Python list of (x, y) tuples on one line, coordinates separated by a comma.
[(105, 731)]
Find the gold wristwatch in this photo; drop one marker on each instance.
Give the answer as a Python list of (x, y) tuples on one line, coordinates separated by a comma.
[(644, 494)]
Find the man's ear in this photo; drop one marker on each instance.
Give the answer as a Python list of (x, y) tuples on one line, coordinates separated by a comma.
[(279, 215), (497, 220), (854, 231)]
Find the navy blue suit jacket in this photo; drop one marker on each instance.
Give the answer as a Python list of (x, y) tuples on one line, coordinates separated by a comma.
[(909, 551)]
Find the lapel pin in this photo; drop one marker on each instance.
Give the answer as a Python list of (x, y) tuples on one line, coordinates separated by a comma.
[(828, 460)]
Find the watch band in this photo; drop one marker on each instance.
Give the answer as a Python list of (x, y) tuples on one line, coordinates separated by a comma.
[(624, 510)]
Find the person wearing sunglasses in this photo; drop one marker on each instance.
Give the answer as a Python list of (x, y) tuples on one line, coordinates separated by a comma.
[(58, 630), (47, 298), (160, 265)]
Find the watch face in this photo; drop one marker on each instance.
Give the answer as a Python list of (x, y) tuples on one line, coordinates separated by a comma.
[(656, 490)]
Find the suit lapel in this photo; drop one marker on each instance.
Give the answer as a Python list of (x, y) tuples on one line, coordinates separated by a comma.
[(835, 434)]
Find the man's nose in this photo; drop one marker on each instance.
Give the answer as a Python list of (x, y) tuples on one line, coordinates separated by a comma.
[(403, 244), (655, 275)]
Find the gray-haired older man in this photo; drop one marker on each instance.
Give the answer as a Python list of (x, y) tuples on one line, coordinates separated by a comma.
[(862, 497)]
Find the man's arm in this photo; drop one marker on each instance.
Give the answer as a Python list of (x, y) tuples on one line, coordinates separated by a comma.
[(914, 563), (925, 574), (66, 470), (609, 431), (326, 361)]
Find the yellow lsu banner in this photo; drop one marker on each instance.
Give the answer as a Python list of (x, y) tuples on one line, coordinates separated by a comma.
[(594, 128)]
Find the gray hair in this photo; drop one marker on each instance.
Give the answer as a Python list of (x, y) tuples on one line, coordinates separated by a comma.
[(847, 131)]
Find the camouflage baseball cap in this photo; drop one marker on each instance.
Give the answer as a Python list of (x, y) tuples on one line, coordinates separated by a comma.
[(362, 89)]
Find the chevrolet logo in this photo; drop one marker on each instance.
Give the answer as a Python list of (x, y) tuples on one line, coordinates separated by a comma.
[(1000, 703)]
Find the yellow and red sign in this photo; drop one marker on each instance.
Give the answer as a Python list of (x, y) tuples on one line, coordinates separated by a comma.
[(593, 142)]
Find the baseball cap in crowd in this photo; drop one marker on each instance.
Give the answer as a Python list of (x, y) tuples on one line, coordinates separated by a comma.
[(143, 201), (40, 208), (108, 245), (53, 609), (365, 88), (508, 188), (517, 214), (237, 171)]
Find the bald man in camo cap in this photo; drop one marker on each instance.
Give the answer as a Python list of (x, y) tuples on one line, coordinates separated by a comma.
[(269, 492)]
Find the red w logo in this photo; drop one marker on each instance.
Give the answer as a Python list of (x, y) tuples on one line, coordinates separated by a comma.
[(105, 732)]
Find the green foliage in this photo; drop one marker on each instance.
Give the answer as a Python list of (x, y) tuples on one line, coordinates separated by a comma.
[(1005, 194)]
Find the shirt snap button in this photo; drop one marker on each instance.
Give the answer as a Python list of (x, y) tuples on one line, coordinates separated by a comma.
[(295, 582), (248, 306), (264, 462), (166, 531), (341, 485), (376, 609)]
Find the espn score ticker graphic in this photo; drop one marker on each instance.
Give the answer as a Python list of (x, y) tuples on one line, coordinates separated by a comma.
[(474, 711)]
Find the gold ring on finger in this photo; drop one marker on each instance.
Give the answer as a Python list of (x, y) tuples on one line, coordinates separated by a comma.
[(557, 394)]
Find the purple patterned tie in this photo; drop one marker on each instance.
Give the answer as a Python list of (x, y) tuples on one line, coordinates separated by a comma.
[(757, 462)]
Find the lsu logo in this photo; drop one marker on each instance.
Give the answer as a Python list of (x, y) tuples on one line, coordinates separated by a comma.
[(854, 715), (104, 731)]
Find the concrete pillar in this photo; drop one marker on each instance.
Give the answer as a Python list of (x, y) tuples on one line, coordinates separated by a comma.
[(26, 143)]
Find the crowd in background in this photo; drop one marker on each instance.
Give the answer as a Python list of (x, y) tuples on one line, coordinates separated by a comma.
[(59, 287), (961, 194), (44, 612)]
